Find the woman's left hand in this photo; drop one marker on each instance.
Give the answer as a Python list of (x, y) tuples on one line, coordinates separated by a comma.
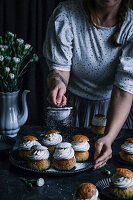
[(103, 152)]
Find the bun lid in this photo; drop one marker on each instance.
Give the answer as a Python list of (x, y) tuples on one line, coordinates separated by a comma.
[(86, 191), (29, 137), (63, 145), (80, 138), (52, 132), (124, 172), (130, 140)]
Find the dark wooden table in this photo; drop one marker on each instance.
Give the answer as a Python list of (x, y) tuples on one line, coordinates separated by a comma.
[(55, 187)]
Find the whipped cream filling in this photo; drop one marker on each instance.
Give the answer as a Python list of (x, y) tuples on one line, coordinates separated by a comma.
[(127, 147), (26, 145), (39, 154), (52, 139), (80, 146), (99, 121), (63, 154), (94, 197), (122, 182), (63, 145)]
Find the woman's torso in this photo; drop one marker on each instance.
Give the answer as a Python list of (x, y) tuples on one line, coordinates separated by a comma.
[(95, 60)]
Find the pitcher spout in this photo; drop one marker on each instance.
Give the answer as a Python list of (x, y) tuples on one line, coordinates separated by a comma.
[(22, 117)]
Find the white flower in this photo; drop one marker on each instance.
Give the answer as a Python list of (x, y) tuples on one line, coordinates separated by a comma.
[(16, 60), (14, 69), (40, 182), (7, 69), (1, 58), (20, 41), (27, 46), (11, 76), (8, 58), (9, 33), (34, 58), (3, 47)]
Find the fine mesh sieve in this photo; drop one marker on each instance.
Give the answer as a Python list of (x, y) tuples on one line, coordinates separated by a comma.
[(58, 113)]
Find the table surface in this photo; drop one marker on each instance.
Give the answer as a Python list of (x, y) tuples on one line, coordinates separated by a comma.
[(55, 187)]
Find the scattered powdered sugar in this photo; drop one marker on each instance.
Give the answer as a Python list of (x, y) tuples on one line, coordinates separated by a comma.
[(55, 119)]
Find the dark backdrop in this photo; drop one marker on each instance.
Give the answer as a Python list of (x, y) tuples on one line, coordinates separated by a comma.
[(28, 19)]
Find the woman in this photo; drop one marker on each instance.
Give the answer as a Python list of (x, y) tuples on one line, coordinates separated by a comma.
[(89, 50)]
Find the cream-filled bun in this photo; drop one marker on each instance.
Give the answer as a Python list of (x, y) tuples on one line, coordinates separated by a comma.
[(64, 158), (52, 131), (39, 158), (51, 139), (81, 146), (25, 146), (98, 124), (127, 150), (122, 183), (86, 191)]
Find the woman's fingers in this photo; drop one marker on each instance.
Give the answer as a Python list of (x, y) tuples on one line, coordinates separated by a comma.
[(64, 101), (101, 163), (103, 152), (98, 148), (52, 97), (104, 156), (56, 97), (60, 97)]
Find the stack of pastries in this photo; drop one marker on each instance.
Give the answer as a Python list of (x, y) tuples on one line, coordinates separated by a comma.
[(51, 139), (63, 157), (26, 145), (126, 153), (86, 191), (98, 124), (81, 146), (39, 158), (121, 184)]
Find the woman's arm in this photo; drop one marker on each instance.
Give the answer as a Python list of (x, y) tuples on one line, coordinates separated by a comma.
[(118, 112), (57, 83)]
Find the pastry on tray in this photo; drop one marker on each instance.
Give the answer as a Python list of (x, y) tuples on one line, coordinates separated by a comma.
[(86, 191), (98, 124), (64, 158), (126, 153), (51, 139), (121, 184), (39, 158), (81, 146), (25, 146)]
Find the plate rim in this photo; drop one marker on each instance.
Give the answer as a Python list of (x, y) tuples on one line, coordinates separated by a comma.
[(46, 172), (107, 186), (54, 108)]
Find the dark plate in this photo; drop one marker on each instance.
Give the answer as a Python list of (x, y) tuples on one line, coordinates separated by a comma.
[(125, 162), (103, 186), (80, 167)]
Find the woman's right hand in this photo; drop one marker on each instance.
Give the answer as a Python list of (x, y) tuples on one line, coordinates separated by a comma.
[(57, 96)]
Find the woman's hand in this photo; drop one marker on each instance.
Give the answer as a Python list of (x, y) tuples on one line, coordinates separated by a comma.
[(103, 152), (57, 82), (56, 95)]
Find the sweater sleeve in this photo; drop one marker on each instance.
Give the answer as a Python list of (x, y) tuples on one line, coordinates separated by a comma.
[(124, 73), (57, 48)]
